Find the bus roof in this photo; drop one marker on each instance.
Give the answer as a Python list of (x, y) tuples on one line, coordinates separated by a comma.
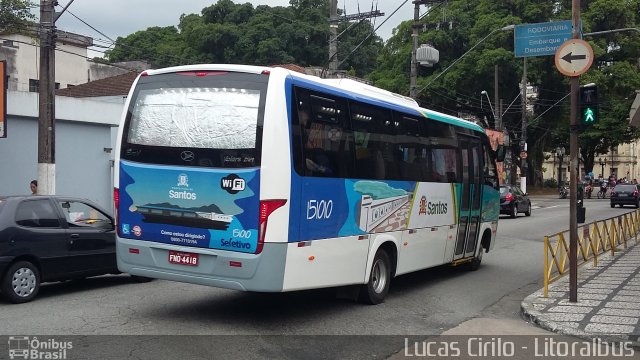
[(353, 89)]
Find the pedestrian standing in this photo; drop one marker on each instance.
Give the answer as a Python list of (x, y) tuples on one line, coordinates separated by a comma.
[(34, 187)]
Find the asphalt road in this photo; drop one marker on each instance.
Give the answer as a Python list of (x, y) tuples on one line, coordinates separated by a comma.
[(424, 303)]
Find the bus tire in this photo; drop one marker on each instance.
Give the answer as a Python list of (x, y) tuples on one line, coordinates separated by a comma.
[(374, 291), (474, 264)]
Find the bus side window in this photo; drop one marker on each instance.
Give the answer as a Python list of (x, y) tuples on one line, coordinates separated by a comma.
[(413, 163), (375, 148), (325, 141), (442, 144)]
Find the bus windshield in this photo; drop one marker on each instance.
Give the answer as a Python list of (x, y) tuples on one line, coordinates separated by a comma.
[(217, 113)]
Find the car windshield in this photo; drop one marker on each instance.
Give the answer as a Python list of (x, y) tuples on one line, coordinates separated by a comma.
[(625, 188), (503, 190)]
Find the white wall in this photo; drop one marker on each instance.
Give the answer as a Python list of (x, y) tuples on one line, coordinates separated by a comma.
[(25, 63), (83, 131)]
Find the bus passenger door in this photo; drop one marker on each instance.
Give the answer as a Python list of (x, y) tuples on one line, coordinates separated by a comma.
[(476, 192), (469, 209)]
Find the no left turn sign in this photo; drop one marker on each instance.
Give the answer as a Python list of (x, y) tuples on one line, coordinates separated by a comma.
[(574, 57)]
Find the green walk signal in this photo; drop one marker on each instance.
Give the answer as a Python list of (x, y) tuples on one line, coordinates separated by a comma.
[(589, 116), (589, 106)]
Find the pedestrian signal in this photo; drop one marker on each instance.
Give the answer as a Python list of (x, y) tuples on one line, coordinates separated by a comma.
[(589, 105)]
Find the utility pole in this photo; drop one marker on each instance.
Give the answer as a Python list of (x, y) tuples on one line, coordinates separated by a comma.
[(46, 90), (334, 20), (413, 76), (333, 37), (500, 107), (496, 100), (573, 148), (523, 138)]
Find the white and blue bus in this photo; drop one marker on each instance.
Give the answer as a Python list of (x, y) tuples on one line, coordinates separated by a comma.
[(263, 179)]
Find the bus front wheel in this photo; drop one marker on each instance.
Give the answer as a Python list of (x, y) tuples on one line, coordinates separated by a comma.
[(377, 288)]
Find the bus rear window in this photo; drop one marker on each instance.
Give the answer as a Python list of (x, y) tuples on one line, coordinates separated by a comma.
[(215, 120)]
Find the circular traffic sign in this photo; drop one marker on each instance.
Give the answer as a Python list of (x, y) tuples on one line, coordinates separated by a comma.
[(574, 57)]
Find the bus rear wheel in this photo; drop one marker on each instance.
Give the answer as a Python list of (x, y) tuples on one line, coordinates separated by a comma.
[(377, 288)]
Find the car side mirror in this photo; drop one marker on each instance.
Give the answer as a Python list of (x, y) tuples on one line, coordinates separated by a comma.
[(501, 153)]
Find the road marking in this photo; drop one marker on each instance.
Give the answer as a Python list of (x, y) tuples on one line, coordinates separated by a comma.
[(555, 206)]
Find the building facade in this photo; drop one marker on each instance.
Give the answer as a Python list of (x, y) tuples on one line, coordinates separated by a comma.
[(83, 148), (622, 161), (72, 66)]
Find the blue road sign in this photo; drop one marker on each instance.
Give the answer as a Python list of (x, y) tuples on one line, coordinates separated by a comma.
[(541, 39)]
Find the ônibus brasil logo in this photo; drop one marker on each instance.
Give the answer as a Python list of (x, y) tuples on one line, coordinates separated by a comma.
[(25, 347)]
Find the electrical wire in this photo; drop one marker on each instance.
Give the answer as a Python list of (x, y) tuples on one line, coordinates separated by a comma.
[(324, 68), (94, 29)]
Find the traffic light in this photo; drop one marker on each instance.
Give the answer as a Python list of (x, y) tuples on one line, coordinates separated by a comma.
[(589, 105)]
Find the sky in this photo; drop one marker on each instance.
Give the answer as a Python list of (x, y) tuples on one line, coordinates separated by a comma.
[(123, 17)]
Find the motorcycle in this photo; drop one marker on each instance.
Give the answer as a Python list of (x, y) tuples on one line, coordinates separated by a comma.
[(563, 191)]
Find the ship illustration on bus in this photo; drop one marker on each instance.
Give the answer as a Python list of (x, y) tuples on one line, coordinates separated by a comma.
[(171, 214)]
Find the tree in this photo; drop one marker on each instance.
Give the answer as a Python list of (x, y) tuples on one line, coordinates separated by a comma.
[(466, 22), (359, 36), (15, 16), (615, 72), (226, 32), (160, 46)]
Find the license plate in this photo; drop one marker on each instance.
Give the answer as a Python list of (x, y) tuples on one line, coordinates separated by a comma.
[(622, 195), (183, 258)]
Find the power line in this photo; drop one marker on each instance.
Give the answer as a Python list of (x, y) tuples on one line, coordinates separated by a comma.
[(94, 29), (371, 33)]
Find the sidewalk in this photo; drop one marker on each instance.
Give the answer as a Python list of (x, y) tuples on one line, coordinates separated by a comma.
[(608, 304)]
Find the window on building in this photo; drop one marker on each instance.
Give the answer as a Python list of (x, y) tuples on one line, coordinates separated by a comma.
[(9, 43), (34, 85)]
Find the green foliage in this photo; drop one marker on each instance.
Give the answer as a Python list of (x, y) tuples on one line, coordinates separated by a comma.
[(464, 24), (226, 32), (550, 183), (15, 15)]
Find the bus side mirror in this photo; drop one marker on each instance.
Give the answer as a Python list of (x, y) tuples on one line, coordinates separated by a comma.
[(500, 153)]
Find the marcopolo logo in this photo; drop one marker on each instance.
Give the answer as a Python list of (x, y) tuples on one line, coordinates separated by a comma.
[(232, 183), (25, 347)]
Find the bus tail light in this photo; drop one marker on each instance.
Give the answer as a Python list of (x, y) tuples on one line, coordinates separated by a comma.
[(201, 73), (266, 208), (116, 203)]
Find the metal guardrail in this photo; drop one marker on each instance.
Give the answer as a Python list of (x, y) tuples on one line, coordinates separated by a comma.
[(593, 239)]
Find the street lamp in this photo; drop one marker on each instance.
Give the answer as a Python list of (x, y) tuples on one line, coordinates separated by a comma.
[(560, 151), (495, 117), (603, 163)]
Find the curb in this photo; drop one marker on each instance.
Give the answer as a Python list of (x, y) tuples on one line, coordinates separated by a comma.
[(533, 316), (534, 307)]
